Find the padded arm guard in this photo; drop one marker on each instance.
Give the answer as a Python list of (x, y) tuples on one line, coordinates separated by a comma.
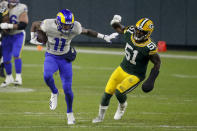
[(148, 85)]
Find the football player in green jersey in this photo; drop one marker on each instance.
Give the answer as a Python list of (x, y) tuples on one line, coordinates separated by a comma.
[(139, 50)]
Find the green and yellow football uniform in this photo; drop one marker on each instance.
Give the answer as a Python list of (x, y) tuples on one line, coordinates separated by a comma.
[(133, 68)]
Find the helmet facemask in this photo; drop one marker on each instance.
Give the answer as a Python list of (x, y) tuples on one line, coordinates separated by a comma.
[(13, 2), (140, 35)]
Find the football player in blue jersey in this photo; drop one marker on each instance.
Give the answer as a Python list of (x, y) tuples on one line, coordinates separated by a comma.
[(13, 41), (57, 34)]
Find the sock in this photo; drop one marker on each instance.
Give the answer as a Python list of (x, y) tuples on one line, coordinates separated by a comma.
[(18, 65), (8, 68), (102, 111), (121, 97), (68, 95), (106, 99), (69, 100)]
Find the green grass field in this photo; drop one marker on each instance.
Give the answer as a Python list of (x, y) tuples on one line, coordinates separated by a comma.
[(172, 105)]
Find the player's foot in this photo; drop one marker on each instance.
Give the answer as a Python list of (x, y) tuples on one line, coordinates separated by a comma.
[(97, 120), (9, 80), (70, 118), (18, 80), (53, 101), (120, 111)]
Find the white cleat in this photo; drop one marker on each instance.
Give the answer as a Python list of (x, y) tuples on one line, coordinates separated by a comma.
[(120, 111), (97, 120), (70, 118), (53, 101), (9, 80), (18, 80)]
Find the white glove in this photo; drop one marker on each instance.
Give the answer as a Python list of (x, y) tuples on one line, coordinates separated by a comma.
[(34, 39), (107, 38), (6, 26), (35, 42), (113, 35), (116, 19)]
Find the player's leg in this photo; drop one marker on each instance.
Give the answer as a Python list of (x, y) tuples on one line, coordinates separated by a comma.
[(50, 67), (2, 74), (17, 50), (128, 84), (65, 69), (112, 83), (7, 56)]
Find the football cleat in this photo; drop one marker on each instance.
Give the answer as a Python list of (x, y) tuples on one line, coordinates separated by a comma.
[(120, 111), (97, 120), (53, 101), (18, 81), (9, 80), (70, 118)]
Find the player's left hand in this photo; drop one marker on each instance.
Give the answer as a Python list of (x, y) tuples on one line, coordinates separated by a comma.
[(147, 86), (108, 38), (6, 26)]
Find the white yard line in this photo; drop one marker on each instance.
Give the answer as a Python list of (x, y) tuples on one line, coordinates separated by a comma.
[(184, 76), (120, 53), (104, 126)]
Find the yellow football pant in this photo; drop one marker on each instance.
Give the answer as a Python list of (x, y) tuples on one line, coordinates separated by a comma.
[(121, 81)]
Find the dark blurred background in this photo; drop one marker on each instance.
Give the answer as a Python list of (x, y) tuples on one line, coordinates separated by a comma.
[(175, 20)]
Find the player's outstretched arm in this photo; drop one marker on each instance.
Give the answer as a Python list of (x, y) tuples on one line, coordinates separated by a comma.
[(148, 85), (93, 33), (115, 23)]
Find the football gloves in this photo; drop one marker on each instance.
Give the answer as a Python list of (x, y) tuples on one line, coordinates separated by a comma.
[(108, 38), (116, 19), (6, 26), (148, 85), (34, 39)]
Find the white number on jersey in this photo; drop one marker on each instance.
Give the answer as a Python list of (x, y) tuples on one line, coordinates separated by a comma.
[(151, 46), (128, 54)]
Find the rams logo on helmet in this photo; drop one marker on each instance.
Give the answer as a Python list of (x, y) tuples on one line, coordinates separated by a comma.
[(65, 21)]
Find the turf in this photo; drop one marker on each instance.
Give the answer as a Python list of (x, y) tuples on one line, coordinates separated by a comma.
[(171, 105)]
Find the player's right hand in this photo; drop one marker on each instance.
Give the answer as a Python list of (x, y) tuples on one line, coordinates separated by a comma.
[(116, 19), (108, 38), (34, 39), (35, 42)]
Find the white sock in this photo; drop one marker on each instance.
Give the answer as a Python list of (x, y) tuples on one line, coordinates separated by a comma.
[(102, 110)]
